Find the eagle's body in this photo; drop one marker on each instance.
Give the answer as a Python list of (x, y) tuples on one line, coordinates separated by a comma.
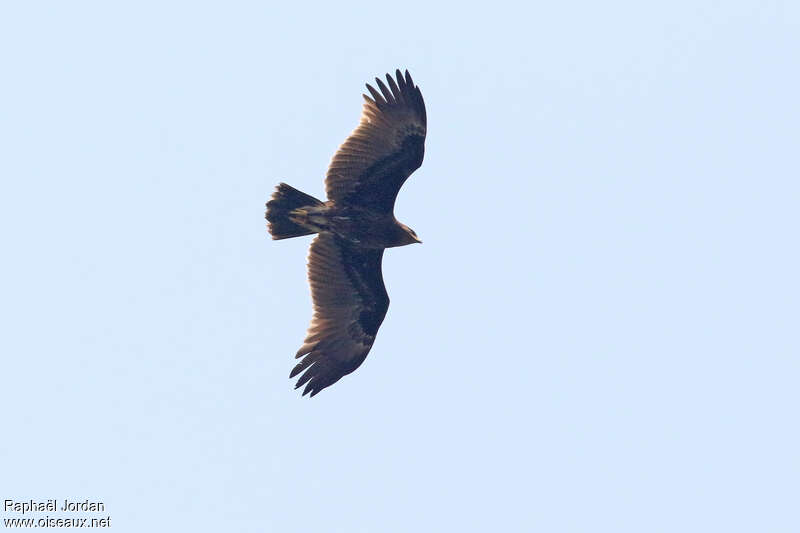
[(354, 226), (360, 226)]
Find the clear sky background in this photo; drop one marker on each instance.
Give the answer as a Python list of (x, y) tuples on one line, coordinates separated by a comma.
[(599, 333)]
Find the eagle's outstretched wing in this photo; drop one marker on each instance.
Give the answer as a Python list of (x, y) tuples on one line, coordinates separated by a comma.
[(350, 302), (386, 147)]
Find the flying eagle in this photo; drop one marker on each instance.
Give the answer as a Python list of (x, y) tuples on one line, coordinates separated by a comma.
[(353, 228)]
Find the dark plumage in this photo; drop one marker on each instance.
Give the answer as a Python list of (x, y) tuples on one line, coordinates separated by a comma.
[(354, 226)]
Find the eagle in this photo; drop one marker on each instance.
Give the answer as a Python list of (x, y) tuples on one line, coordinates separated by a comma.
[(353, 227)]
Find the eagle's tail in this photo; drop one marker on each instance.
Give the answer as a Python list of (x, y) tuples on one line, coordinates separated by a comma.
[(283, 201)]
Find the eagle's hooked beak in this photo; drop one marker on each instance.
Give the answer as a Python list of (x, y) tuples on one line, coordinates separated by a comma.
[(410, 232)]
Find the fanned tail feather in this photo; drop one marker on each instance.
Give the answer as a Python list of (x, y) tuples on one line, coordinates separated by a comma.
[(285, 199)]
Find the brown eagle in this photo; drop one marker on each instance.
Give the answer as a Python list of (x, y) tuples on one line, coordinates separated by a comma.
[(354, 226)]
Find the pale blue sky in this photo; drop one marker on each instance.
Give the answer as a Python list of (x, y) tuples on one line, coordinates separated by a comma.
[(599, 333)]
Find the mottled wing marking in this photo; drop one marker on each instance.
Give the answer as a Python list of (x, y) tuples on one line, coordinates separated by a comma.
[(386, 147), (350, 302)]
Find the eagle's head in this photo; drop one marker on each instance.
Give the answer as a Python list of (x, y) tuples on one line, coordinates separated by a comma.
[(408, 235)]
